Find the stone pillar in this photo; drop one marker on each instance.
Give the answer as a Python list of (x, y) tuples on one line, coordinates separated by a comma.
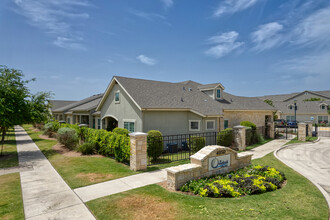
[(302, 131), (138, 157), (222, 124), (310, 128), (271, 127), (239, 137)]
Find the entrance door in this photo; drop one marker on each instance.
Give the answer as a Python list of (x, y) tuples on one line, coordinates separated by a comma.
[(226, 124)]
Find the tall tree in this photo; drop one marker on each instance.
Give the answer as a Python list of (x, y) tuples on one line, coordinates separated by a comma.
[(16, 102)]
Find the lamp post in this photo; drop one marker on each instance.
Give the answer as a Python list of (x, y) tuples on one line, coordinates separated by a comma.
[(295, 110)]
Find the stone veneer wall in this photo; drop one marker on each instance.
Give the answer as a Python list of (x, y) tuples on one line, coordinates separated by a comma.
[(138, 157), (199, 166), (257, 117), (302, 131)]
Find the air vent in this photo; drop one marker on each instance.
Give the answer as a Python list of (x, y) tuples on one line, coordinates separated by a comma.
[(181, 99), (190, 89)]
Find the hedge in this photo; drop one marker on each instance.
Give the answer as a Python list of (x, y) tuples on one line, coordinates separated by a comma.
[(154, 144), (225, 137), (68, 137), (106, 143), (196, 143), (249, 124)]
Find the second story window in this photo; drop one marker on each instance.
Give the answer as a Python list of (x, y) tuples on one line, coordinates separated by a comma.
[(218, 93), (117, 100), (322, 106)]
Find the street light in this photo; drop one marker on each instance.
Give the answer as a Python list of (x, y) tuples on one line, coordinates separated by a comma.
[(295, 110)]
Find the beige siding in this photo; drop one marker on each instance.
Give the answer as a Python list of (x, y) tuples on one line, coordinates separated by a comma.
[(125, 109)]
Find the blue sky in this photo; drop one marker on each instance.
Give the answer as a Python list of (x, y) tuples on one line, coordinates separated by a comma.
[(253, 47)]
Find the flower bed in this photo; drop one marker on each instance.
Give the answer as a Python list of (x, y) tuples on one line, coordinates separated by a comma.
[(247, 181)]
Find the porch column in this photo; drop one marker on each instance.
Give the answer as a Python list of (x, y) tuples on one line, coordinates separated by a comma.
[(138, 157), (271, 126)]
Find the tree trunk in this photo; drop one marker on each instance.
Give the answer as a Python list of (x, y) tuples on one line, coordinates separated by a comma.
[(3, 135)]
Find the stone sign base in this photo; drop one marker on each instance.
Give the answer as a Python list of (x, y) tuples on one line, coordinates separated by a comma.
[(210, 160)]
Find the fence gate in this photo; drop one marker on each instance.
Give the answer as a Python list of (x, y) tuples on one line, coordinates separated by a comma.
[(285, 132)]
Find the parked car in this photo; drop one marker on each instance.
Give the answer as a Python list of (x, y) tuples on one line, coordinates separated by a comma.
[(292, 124), (280, 123)]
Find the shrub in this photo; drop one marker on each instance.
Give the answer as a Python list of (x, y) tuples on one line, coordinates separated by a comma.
[(87, 148), (248, 136), (249, 124), (121, 131), (196, 143), (39, 126), (51, 128), (225, 137), (260, 138), (245, 181), (68, 137), (155, 144)]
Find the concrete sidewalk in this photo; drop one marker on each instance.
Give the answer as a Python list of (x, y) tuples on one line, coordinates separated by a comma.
[(267, 148), (99, 190), (45, 194)]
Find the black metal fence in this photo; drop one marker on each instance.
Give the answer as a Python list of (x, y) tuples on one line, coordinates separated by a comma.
[(181, 146), (285, 132)]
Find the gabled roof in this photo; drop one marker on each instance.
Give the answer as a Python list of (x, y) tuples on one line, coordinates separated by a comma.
[(303, 107), (287, 97), (78, 103), (87, 106), (148, 94), (210, 86), (55, 104), (312, 92)]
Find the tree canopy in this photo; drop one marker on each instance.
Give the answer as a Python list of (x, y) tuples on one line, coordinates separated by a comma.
[(17, 104)]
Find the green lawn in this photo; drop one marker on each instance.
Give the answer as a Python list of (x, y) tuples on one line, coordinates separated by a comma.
[(295, 140), (9, 157), (11, 203), (299, 199), (80, 171)]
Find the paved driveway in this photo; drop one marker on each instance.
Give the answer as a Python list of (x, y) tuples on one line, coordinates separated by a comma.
[(312, 161)]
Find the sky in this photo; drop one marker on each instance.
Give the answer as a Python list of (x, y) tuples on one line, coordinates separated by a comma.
[(252, 47)]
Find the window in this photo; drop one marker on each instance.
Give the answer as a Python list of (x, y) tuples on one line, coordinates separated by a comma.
[(117, 100), (290, 107), (289, 118), (99, 123), (322, 119), (194, 125), (210, 124), (218, 93), (93, 122), (69, 120), (322, 106), (226, 124), (129, 126)]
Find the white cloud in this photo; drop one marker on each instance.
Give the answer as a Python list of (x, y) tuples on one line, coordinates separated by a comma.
[(313, 29), (146, 60), (147, 16), (233, 6), (56, 17), (167, 3), (224, 44), (267, 36)]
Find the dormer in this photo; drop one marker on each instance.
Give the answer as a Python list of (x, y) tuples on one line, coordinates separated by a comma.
[(215, 90), (323, 106)]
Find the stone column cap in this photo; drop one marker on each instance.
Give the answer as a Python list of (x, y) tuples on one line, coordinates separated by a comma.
[(301, 123), (135, 134), (239, 126), (308, 122)]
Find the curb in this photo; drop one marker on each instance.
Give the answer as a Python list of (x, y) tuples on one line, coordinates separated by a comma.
[(324, 193)]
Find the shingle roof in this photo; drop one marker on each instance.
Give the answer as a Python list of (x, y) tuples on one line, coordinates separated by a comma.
[(78, 103), (209, 86), (283, 97), (157, 95), (87, 106), (302, 107), (55, 104)]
